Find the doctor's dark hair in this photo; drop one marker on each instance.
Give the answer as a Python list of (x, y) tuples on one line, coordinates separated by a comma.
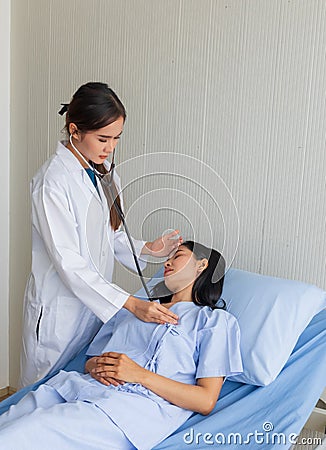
[(93, 106), (207, 288)]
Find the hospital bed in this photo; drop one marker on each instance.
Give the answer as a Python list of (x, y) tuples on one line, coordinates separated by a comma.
[(247, 415)]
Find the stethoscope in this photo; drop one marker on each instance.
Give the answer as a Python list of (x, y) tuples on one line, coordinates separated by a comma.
[(107, 182)]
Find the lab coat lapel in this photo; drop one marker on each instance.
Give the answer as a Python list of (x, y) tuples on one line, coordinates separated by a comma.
[(88, 184)]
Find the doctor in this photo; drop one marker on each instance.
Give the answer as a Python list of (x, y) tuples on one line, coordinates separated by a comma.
[(75, 239)]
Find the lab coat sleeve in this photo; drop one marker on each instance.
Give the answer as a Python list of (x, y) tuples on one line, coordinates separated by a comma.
[(58, 229), (123, 253)]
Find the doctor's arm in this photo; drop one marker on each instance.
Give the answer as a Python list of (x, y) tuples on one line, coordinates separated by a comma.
[(58, 228), (161, 247), (115, 368)]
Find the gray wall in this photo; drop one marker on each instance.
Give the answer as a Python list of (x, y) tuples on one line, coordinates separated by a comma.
[(235, 89)]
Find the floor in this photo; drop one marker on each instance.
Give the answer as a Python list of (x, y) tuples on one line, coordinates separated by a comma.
[(4, 396), (309, 440)]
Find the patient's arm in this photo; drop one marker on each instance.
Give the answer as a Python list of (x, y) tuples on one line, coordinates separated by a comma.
[(200, 398)]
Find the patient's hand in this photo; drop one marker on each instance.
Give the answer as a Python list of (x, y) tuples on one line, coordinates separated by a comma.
[(118, 366), (92, 365)]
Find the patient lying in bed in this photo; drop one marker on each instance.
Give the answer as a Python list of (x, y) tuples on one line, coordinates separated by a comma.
[(148, 378)]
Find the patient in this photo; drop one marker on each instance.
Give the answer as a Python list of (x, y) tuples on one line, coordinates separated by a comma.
[(148, 379)]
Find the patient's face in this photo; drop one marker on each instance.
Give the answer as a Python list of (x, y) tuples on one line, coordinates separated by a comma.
[(181, 270)]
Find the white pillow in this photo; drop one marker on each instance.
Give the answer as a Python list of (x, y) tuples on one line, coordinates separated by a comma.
[(272, 313)]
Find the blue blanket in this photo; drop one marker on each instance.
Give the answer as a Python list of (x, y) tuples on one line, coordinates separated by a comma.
[(250, 416)]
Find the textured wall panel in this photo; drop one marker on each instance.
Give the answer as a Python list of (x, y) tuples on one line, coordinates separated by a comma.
[(234, 90)]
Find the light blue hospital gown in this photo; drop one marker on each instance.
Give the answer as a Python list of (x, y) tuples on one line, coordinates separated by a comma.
[(205, 343)]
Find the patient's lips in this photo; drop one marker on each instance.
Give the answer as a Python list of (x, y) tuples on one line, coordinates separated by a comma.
[(167, 272)]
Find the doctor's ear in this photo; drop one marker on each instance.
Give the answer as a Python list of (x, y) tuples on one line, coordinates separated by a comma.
[(73, 131)]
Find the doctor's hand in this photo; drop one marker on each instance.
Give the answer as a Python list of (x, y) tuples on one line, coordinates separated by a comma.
[(150, 311), (118, 366), (163, 245)]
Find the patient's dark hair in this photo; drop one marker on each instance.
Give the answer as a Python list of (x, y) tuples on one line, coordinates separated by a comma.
[(207, 288)]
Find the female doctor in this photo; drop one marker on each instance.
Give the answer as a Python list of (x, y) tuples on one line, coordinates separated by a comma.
[(75, 239)]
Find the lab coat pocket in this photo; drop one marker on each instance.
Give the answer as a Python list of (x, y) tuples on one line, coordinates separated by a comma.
[(33, 314), (44, 323), (37, 330)]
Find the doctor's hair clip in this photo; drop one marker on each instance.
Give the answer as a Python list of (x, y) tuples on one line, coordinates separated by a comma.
[(64, 109)]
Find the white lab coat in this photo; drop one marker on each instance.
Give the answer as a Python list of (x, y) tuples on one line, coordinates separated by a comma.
[(69, 292)]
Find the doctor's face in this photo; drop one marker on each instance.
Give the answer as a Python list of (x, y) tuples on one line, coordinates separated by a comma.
[(181, 270), (97, 145)]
